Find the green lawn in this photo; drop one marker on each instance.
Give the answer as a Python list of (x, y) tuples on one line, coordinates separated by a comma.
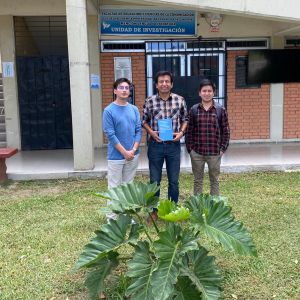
[(45, 224)]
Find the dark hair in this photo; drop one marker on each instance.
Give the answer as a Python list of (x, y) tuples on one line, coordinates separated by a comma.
[(119, 81), (163, 73), (205, 82)]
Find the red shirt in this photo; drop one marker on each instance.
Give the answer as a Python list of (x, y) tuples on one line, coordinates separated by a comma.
[(204, 133)]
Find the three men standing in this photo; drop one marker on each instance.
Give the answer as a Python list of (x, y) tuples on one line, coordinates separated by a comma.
[(206, 126), (165, 105)]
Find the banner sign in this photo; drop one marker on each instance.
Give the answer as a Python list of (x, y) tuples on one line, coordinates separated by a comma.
[(119, 21)]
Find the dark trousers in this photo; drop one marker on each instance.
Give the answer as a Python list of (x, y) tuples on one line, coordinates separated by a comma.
[(170, 153)]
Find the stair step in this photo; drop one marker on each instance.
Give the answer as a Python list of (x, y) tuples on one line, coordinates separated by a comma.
[(2, 137), (3, 145), (2, 128)]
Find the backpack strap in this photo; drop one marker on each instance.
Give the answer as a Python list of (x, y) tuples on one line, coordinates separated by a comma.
[(219, 114), (195, 109)]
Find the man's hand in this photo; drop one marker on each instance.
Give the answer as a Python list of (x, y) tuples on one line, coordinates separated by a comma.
[(177, 136), (128, 155), (155, 136)]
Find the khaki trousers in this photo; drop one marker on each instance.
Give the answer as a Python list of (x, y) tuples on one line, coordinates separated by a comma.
[(198, 164)]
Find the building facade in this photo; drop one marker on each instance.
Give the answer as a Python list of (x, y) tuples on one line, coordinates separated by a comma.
[(59, 63)]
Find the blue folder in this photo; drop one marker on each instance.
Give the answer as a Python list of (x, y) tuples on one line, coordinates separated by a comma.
[(165, 128)]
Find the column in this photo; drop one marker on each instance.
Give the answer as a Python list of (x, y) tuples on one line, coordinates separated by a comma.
[(94, 55), (276, 100), (83, 148), (10, 84)]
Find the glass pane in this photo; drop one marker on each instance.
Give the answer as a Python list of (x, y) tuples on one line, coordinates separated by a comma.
[(171, 64), (206, 66)]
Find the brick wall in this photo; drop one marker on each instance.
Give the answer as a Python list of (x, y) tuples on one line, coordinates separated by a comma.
[(291, 116), (248, 109), (138, 77)]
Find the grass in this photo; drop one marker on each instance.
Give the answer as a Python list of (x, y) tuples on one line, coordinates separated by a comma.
[(45, 224)]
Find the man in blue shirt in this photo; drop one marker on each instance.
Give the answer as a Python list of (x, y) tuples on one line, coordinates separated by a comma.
[(122, 126)]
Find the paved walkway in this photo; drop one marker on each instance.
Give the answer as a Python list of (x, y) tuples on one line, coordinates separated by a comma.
[(51, 164)]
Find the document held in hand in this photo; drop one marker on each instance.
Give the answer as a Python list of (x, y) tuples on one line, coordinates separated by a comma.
[(165, 128)]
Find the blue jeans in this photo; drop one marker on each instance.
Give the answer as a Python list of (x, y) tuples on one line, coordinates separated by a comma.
[(157, 154)]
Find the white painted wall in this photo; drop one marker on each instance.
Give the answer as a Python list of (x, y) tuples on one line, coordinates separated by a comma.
[(7, 50), (32, 7), (276, 100), (276, 111), (96, 94), (272, 10)]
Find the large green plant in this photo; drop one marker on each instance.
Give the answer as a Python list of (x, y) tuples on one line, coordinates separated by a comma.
[(167, 260)]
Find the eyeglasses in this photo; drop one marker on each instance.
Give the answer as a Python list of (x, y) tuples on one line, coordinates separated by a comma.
[(123, 87)]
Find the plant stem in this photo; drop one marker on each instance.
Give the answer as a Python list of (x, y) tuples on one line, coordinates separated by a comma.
[(155, 226), (145, 230)]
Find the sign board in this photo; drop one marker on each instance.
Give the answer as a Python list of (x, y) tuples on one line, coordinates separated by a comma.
[(122, 21), (122, 68), (95, 81), (8, 69)]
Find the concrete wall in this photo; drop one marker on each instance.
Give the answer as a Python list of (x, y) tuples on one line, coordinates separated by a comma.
[(32, 7), (279, 9), (7, 50)]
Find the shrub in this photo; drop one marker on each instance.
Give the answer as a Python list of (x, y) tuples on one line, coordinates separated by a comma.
[(169, 263)]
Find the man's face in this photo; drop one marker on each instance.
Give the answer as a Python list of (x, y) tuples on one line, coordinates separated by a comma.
[(122, 91), (164, 84), (206, 93)]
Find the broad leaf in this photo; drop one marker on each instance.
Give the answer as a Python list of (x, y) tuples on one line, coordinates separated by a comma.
[(170, 248), (167, 210), (140, 269), (185, 289), (219, 199), (131, 196), (95, 278), (109, 238), (216, 221), (202, 271)]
